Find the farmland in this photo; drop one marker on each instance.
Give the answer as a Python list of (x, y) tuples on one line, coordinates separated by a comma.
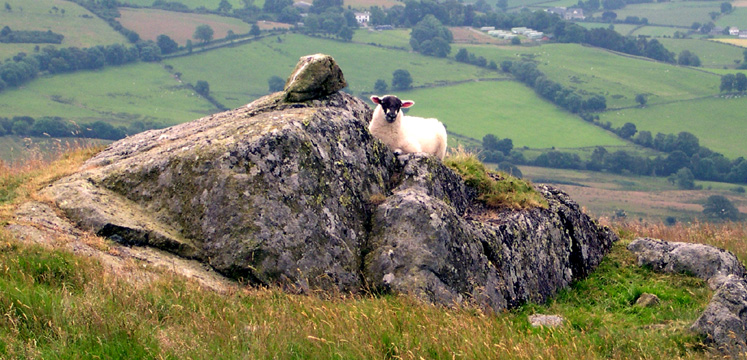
[(120, 96), (78, 25), (506, 109), (150, 23), (718, 121), (736, 18), (650, 198), (711, 53), (235, 75), (678, 13), (192, 4)]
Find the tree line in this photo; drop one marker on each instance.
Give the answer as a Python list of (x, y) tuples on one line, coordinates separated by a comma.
[(57, 127), (29, 36)]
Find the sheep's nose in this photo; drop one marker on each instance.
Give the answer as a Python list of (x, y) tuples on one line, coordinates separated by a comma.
[(391, 117)]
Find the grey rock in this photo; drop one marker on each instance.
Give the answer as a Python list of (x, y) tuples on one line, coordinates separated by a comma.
[(551, 321), (703, 261), (314, 77), (724, 322), (647, 300), (299, 194)]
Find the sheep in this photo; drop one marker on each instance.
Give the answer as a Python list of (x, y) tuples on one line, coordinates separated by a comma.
[(406, 134)]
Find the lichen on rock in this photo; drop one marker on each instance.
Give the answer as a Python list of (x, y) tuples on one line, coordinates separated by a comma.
[(281, 192)]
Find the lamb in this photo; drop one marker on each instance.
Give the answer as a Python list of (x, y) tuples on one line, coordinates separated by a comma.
[(406, 134)]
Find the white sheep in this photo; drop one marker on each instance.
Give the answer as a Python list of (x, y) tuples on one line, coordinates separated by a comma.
[(406, 134)]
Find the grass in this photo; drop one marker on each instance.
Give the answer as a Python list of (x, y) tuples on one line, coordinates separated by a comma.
[(736, 18), (711, 53), (117, 95), (506, 109), (496, 190), (717, 121), (192, 4), (35, 15), (678, 13), (658, 32), (624, 29), (150, 23), (620, 78), (641, 197), (236, 83), (396, 38), (59, 305)]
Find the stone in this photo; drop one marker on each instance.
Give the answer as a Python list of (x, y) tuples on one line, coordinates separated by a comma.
[(724, 322), (551, 321), (703, 261), (647, 300), (300, 195), (314, 77)]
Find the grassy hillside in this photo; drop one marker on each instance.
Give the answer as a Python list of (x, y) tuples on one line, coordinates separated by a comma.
[(238, 75), (79, 31), (117, 95), (736, 18), (180, 27), (193, 4), (620, 78), (711, 53), (506, 109), (679, 13), (61, 305)]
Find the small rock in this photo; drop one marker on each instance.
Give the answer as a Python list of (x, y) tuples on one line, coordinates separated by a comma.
[(647, 300), (551, 321), (315, 76)]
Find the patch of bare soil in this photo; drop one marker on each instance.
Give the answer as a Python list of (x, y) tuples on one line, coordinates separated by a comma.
[(468, 35)]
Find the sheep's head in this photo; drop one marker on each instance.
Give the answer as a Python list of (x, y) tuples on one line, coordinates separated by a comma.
[(391, 106)]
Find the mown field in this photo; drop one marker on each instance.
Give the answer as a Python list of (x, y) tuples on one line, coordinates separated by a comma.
[(679, 13), (711, 53), (79, 31), (718, 122), (619, 77), (239, 74), (657, 31), (180, 27), (733, 41), (736, 18), (117, 95), (506, 109), (641, 197), (624, 29)]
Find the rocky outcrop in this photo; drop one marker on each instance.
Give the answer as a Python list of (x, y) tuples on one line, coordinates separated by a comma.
[(298, 193), (724, 321)]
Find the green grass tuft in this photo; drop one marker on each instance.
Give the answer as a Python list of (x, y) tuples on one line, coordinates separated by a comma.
[(497, 190)]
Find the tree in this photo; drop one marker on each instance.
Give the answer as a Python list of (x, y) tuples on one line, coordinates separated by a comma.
[(627, 130), (276, 6), (202, 87), (431, 37), (255, 30), (727, 82), (203, 33), (740, 82), (726, 7), (189, 46), (166, 44), (516, 41), (684, 179), (275, 84), (641, 99), (289, 15), (719, 208), (401, 80), (224, 6), (462, 55), (8, 8), (346, 33), (687, 58), (380, 87)]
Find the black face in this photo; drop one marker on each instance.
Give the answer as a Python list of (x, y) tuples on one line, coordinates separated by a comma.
[(391, 106)]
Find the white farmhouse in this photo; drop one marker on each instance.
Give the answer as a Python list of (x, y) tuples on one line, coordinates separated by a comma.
[(363, 17)]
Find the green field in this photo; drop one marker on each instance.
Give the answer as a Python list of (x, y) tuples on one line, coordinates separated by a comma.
[(657, 31), (718, 122), (737, 18), (711, 53), (506, 109), (117, 95), (193, 4), (239, 75), (396, 38), (35, 15), (678, 13), (617, 77), (623, 29)]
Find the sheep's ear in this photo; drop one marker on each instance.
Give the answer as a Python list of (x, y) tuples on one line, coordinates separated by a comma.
[(375, 99), (407, 103)]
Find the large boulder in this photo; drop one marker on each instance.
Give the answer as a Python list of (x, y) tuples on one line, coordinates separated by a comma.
[(298, 193)]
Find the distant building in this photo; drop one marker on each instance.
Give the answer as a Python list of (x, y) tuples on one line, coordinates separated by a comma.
[(519, 30), (743, 34), (487, 28), (363, 17), (303, 6), (567, 14), (734, 31)]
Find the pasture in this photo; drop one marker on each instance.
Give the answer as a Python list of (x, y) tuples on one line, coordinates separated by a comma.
[(150, 23), (678, 13), (650, 198), (506, 109), (736, 18), (619, 77), (117, 95), (657, 31), (711, 54), (718, 122), (623, 29), (399, 38), (238, 75), (192, 4), (79, 31)]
